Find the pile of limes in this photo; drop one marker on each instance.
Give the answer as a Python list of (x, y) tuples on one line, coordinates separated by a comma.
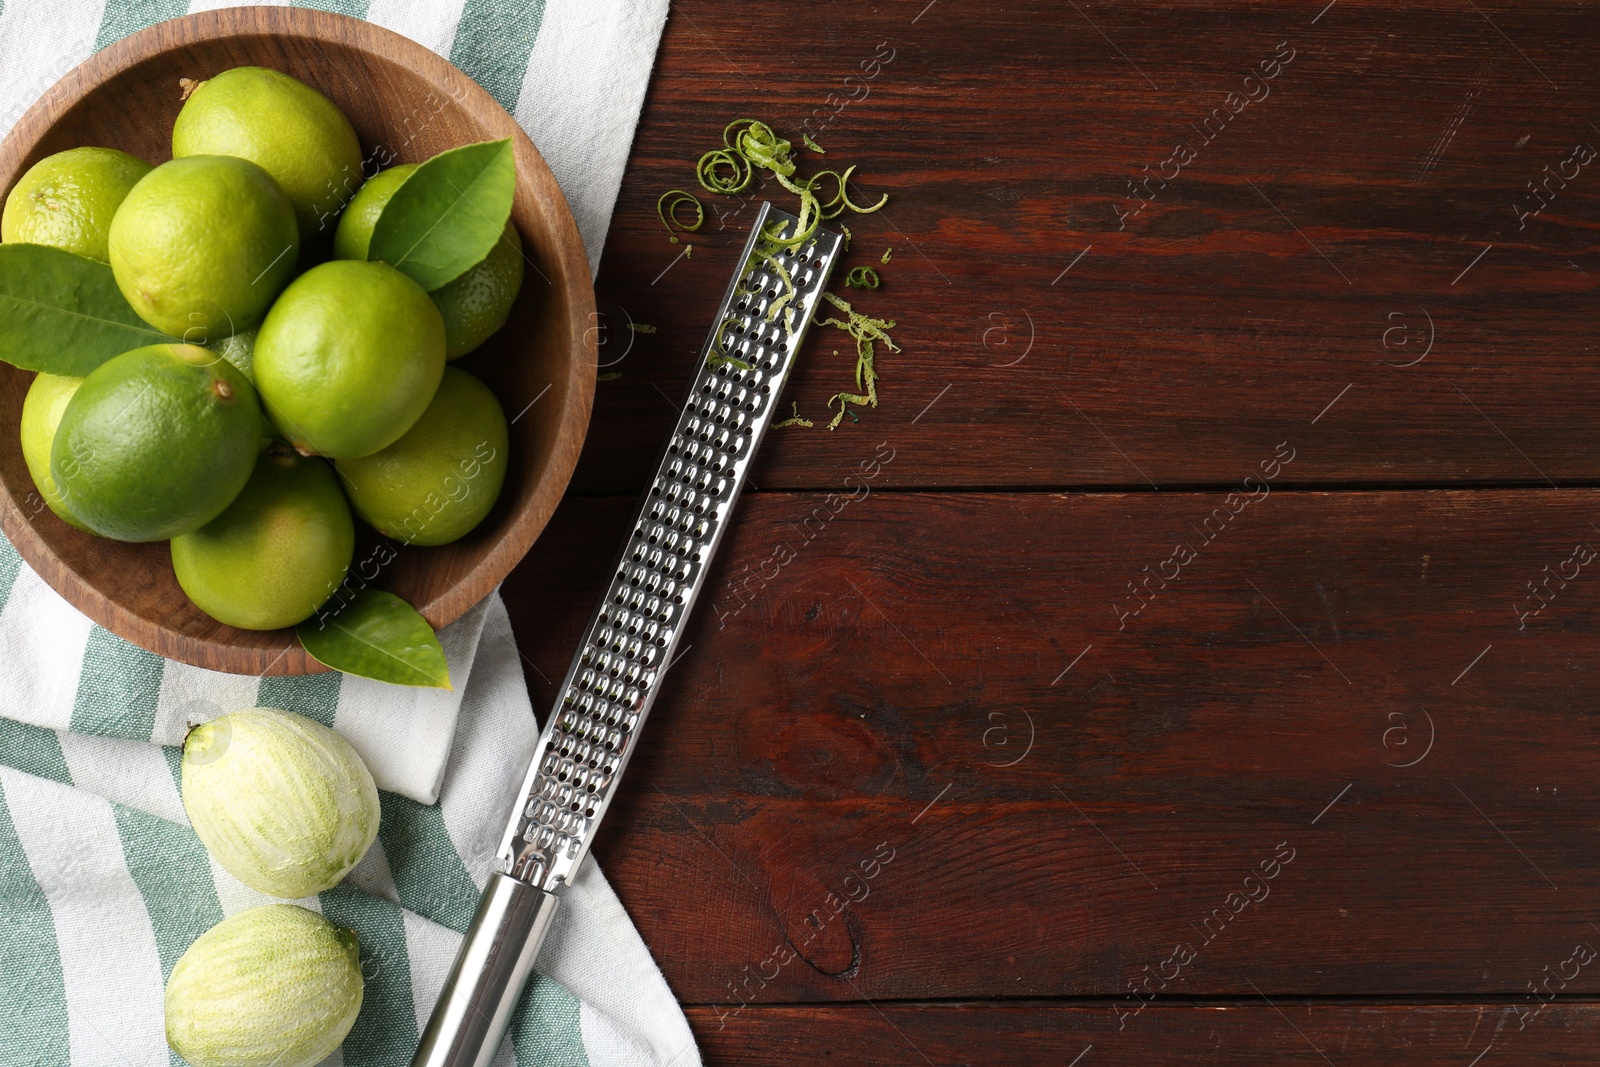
[(308, 381)]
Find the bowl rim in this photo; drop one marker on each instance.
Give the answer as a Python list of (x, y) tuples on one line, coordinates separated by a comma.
[(566, 251)]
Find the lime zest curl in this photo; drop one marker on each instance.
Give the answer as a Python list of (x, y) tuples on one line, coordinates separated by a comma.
[(723, 170), (759, 146), (862, 278), (748, 146), (667, 211)]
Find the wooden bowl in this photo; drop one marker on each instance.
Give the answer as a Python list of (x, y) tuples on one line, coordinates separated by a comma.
[(406, 104)]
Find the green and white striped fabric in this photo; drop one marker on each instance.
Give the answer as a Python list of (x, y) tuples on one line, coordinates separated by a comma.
[(102, 883), (61, 672)]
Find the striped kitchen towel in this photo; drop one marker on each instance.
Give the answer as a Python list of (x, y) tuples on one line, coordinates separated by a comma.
[(60, 671), (103, 886), (102, 883)]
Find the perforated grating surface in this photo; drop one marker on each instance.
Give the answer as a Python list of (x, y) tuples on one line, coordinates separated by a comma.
[(602, 702)]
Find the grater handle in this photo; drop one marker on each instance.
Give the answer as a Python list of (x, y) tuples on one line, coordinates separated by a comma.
[(492, 967)]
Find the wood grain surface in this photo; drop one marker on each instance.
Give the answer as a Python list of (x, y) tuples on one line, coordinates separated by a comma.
[(1305, 249), (884, 688), (1192, 656), (1252, 1034)]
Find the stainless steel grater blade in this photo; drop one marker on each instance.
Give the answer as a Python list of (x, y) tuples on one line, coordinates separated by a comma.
[(593, 726)]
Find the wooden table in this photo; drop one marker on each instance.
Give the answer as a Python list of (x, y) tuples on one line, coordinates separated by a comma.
[(1206, 673)]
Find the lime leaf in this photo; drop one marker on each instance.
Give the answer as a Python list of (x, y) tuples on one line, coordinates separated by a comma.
[(62, 313), (448, 214), (377, 635)]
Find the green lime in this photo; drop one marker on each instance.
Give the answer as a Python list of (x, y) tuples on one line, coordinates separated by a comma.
[(202, 245), (296, 134), (355, 225), (438, 481), (348, 358), (156, 442), (41, 414), (473, 306), (67, 200), (279, 551), (476, 304)]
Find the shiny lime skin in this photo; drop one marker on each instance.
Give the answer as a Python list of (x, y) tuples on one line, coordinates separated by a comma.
[(286, 127), (437, 482), (277, 553), (350, 241), (202, 245), (473, 306), (68, 200), (156, 442), (477, 304), (349, 358), (41, 413)]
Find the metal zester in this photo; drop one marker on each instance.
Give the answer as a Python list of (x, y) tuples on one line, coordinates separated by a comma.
[(593, 726)]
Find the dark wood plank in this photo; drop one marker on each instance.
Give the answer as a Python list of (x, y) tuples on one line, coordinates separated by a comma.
[(867, 700), (1304, 250), (1350, 1035)]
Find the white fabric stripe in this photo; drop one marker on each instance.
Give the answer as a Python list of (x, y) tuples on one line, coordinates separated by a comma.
[(212, 5), (41, 40), (431, 23), (403, 732), (38, 627), (606, 1042), (109, 962), (193, 695), (494, 742), (234, 896), (133, 773), (579, 112), (596, 952), (431, 949)]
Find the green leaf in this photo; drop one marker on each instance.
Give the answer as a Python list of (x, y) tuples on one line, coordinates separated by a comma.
[(448, 214), (377, 635), (62, 313)]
